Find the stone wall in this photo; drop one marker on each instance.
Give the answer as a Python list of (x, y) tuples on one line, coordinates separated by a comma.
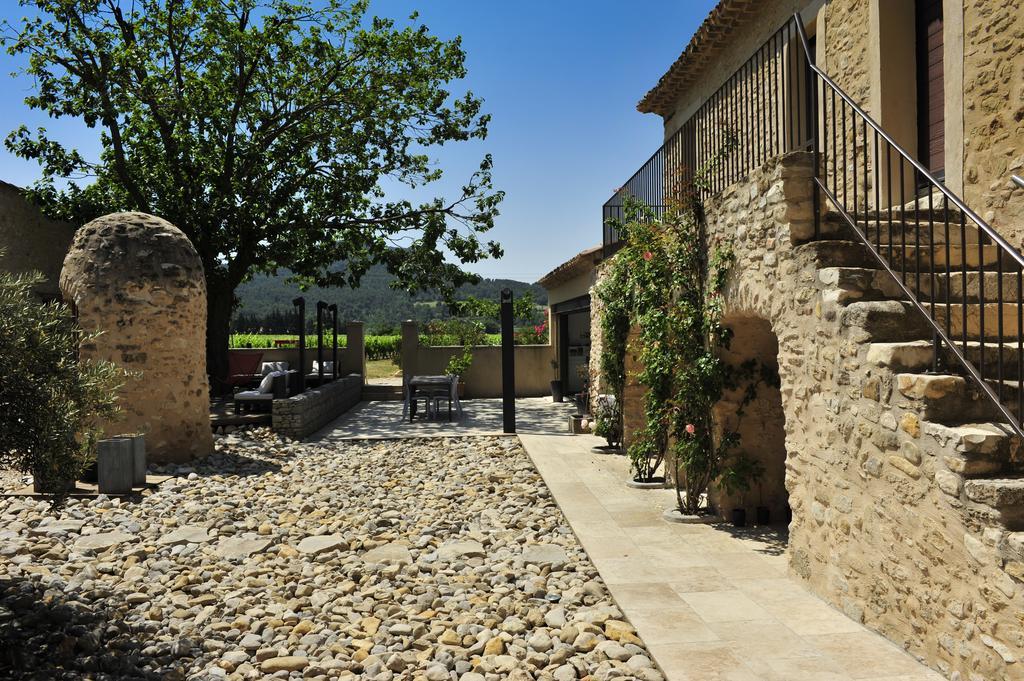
[(633, 391), (878, 528), (847, 60), (302, 415), (31, 242), (597, 386), (138, 280), (994, 113)]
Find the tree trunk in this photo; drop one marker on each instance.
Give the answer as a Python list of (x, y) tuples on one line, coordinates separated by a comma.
[(219, 304)]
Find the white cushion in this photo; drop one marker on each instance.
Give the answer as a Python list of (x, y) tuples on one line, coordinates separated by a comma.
[(253, 395), (267, 384), (268, 367), (328, 366)]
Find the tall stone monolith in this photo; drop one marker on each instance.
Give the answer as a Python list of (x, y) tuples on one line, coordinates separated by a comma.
[(139, 280)]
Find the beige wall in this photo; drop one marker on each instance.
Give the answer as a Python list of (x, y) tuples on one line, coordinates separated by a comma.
[(742, 44), (761, 426), (29, 241), (533, 369), (574, 288), (533, 365), (138, 281)]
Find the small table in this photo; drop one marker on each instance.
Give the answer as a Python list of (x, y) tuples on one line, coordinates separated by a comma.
[(447, 383)]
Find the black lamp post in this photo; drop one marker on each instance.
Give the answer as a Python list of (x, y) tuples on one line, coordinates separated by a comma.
[(333, 309), (320, 307), (300, 304), (508, 363)]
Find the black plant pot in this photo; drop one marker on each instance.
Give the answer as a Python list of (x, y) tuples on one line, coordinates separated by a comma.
[(764, 516), (556, 391), (739, 517), (91, 473)]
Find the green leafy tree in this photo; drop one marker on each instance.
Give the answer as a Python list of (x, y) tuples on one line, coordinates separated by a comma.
[(50, 399), (263, 129)]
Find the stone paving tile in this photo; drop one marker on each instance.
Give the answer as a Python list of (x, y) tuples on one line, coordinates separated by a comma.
[(725, 606), (712, 603)]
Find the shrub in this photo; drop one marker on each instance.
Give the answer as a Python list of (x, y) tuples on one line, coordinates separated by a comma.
[(51, 401), (383, 347)]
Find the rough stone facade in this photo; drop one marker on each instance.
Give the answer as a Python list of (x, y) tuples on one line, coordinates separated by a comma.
[(305, 413), (31, 242), (881, 527), (137, 279), (994, 113)]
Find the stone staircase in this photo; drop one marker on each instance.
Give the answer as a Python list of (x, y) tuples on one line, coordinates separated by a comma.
[(377, 392), (985, 475)]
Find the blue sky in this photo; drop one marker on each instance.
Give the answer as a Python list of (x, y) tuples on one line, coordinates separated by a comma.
[(561, 79)]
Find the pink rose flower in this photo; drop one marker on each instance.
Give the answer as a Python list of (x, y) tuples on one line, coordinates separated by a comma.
[(690, 428), (648, 255)]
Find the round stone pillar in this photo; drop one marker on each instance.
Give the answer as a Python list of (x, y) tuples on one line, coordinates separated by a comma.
[(138, 279)]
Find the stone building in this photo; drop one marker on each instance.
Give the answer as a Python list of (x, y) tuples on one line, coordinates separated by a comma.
[(885, 284), (138, 280), (569, 311)]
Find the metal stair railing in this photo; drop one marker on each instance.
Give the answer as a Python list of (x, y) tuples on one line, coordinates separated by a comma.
[(854, 160)]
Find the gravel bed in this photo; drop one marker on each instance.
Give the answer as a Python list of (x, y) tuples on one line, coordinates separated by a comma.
[(416, 559)]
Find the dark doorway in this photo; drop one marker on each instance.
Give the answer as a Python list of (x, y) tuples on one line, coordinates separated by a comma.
[(931, 101)]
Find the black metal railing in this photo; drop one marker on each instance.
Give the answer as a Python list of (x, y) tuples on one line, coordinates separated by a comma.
[(951, 266), (762, 110)]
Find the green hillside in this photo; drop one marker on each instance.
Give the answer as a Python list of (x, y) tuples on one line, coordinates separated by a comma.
[(266, 302)]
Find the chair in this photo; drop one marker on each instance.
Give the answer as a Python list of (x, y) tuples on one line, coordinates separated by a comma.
[(243, 368), (274, 386), (452, 395)]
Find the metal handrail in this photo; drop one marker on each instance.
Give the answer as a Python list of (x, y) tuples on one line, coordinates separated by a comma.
[(940, 335), (991, 233)]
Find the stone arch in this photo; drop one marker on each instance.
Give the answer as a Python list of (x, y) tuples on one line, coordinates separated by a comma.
[(762, 425), (138, 280)]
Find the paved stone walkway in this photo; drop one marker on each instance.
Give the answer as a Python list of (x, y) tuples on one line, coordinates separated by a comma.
[(711, 603), (383, 420)]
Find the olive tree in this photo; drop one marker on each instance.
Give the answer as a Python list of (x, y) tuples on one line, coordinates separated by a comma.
[(50, 400)]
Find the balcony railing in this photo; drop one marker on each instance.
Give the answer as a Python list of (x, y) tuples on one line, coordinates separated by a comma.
[(763, 109)]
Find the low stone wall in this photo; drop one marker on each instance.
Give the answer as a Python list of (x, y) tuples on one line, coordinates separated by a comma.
[(308, 412)]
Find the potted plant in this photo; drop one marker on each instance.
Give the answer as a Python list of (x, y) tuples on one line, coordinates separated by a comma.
[(735, 480), (556, 384), (459, 364), (608, 423)]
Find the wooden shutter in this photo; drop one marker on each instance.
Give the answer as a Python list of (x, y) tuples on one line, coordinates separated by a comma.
[(931, 101)]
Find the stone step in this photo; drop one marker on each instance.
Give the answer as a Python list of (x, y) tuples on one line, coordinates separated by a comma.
[(905, 230), (918, 356), (973, 450), (849, 284), (882, 321), (990, 314), (837, 253), (1004, 495), (944, 398), (961, 287), (911, 259), (381, 393)]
